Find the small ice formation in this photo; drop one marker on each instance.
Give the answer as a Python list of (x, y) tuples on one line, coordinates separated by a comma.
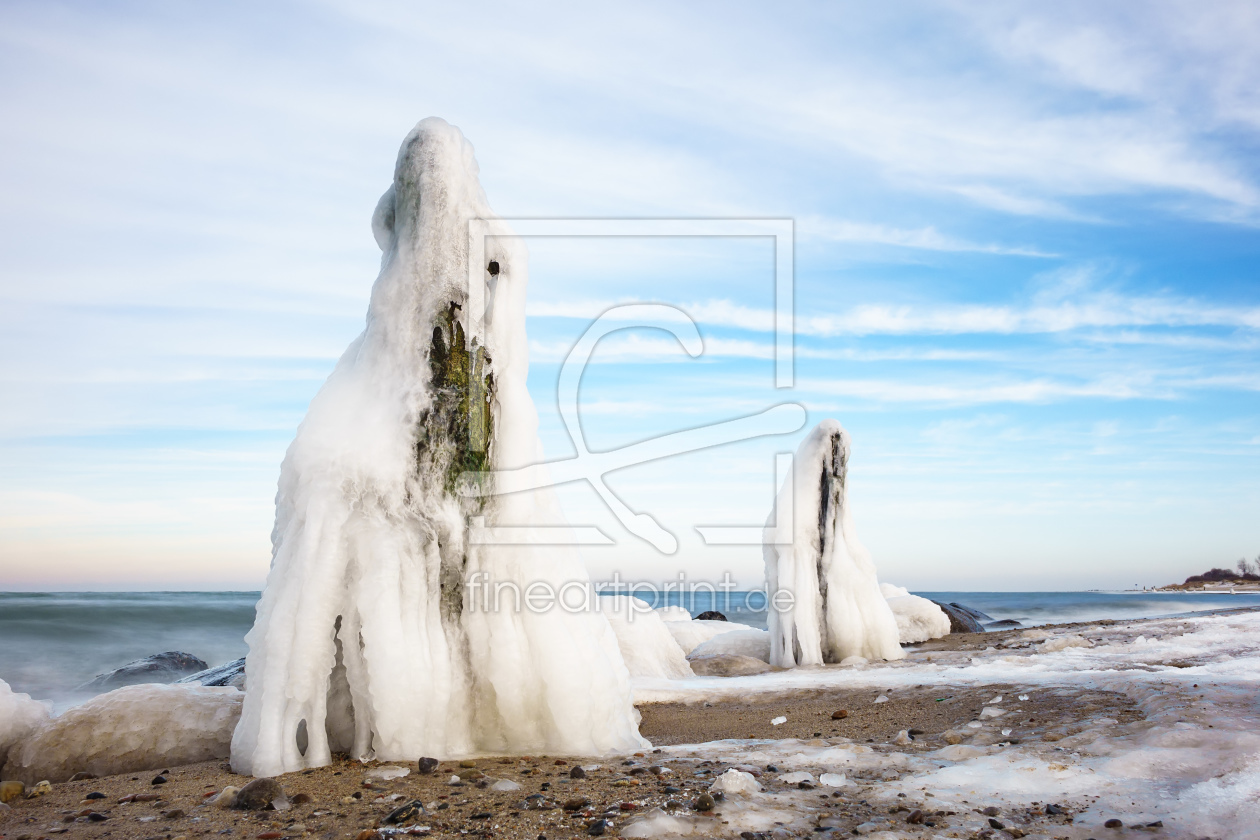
[(140, 727), (19, 717), (646, 644), (747, 641), (837, 610), (369, 638), (918, 619)]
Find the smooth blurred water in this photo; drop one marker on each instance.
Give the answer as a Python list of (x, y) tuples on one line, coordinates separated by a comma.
[(51, 642)]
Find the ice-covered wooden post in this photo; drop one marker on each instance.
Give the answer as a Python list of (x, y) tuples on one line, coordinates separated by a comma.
[(829, 604), (367, 640)]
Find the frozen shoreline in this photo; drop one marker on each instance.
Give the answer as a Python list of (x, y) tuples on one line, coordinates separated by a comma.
[(1147, 720)]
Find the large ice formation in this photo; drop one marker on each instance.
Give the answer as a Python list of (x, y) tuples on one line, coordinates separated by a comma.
[(19, 717), (918, 619), (648, 648), (140, 727), (812, 551), (368, 637)]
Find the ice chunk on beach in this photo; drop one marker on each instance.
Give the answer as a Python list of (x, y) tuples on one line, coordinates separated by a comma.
[(811, 550), (389, 625), (746, 642), (918, 619), (736, 782), (691, 634), (648, 648), (1064, 642), (140, 727), (19, 717)]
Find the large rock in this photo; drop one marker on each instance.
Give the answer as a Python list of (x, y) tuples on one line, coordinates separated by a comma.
[(140, 727), (231, 673), (159, 668), (727, 665), (961, 619)]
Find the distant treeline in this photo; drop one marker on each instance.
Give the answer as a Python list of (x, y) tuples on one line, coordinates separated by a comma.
[(1244, 571)]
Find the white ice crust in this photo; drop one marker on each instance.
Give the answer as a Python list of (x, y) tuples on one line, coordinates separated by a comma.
[(646, 644), (19, 716), (690, 634), (918, 619), (747, 641), (140, 727), (814, 553), (353, 634)]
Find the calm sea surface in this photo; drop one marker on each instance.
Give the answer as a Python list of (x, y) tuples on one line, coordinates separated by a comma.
[(51, 642)]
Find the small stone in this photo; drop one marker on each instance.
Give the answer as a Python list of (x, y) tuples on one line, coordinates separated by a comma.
[(1055, 810), (405, 813), (840, 714), (173, 814), (998, 824), (914, 732), (627, 806), (80, 776), (1113, 823), (95, 816), (656, 769), (915, 817), (705, 802), (805, 785), (903, 739), (576, 804), (991, 811), (426, 765), (597, 828), (471, 775), (300, 798), (952, 737), (1156, 824), (96, 794), (40, 789), (11, 790), (468, 763), (481, 815), (270, 835), (367, 834), (577, 772), (670, 789), (560, 762), (257, 795)]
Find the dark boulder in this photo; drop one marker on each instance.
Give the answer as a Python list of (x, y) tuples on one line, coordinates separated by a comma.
[(158, 668), (231, 673), (1006, 622), (710, 615), (960, 620)]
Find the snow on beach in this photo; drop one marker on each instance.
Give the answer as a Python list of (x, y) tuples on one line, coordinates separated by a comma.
[(1193, 763)]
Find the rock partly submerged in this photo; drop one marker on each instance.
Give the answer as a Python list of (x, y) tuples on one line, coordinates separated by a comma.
[(963, 619), (229, 674), (159, 668)]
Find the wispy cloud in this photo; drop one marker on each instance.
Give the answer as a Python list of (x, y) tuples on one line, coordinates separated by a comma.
[(926, 238)]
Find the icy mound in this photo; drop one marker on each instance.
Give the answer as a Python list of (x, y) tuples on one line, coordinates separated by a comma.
[(814, 553), (746, 642), (140, 727), (19, 716), (690, 634), (673, 614), (918, 619), (646, 645), (376, 632)]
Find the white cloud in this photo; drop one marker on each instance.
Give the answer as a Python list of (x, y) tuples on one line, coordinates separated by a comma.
[(927, 238)]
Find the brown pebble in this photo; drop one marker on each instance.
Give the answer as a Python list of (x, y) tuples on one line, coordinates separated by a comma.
[(560, 762), (576, 804), (705, 802), (174, 813), (840, 715), (915, 817), (991, 811), (300, 798), (998, 824), (468, 763), (367, 834), (577, 772), (270, 835), (1113, 823)]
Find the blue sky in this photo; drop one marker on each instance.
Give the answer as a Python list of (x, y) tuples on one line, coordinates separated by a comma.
[(1027, 266)]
